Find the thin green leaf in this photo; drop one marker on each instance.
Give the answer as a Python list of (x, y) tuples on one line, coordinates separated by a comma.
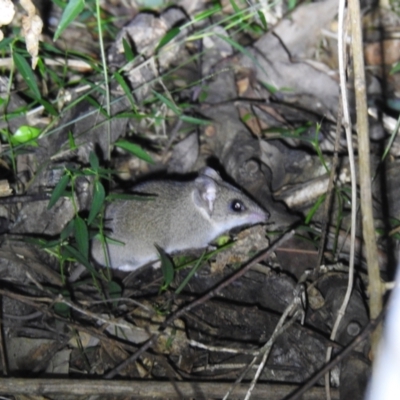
[(270, 88), (82, 236), (130, 114), (168, 103), (48, 107), (97, 105), (120, 79), (73, 9), (94, 161), (167, 268), (71, 252), (58, 190), (114, 291), (314, 209), (191, 273), (71, 141), (42, 243), (67, 231), (99, 195), (193, 120), (134, 149), (206, 14), (128, 51), (108, 240), (170, 35), (235, 7), (5, 43), (263, 20), (26, 71)]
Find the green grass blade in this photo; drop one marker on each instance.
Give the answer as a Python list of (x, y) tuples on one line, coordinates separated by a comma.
[(135, 150), (194, 120), (205, 14), (170, 35), (99, 195), (49, 107), (314, 209), (94, 161), (82, 236), (121, 80), (168, 103), (129, 55), (190, 274), (167, 268), (26, 71), (73, 9), (263, 20), (235, 7), (71, 252), (58, 190)]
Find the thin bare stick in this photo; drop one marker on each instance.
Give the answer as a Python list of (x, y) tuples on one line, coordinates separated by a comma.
[(375, 288), (280, 328), (141, 389), (4, 364), (347, 126)]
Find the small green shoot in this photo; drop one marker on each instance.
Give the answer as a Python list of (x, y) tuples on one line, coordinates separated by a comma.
[(170, 104)]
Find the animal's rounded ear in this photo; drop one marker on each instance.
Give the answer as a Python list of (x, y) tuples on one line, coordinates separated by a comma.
[(205, 193), (211, 173)]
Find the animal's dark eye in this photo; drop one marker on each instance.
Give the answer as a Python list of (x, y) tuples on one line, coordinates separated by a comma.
[(237, 206)]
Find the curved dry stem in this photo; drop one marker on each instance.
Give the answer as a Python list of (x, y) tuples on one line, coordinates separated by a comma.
[(375, 288)]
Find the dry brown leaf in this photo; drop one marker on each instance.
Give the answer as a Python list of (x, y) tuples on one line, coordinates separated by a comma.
[(32, 26), (7, 12)]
